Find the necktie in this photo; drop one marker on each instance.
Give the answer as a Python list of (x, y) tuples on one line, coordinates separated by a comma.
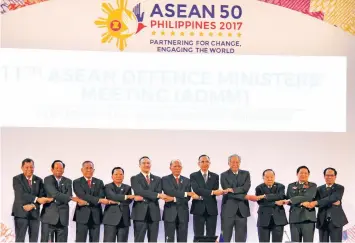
[(205, 177), (177, 180), (89, 183), (58, 183), (29, 182), (147, 179)]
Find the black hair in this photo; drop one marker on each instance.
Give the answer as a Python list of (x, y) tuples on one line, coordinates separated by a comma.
[(57, 161), (117, 168), (330, 168), (27, 160), (303, 167)]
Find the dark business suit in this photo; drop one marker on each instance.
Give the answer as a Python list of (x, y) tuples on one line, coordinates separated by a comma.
[(176, 214), (88, 218), (271, 217), (204, 210), (235, 209), (117, 216), (55, 215), (24, 194), (301, 219), (146, 213), (331, 218)]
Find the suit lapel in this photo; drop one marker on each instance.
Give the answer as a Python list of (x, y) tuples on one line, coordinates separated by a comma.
[(118, 190), (232, 179), (173, 181), (266, 190), (181, 185), (54, 180), (209, 183), (274, 189), (239, 178), (201, 180), (25, 183), (115, 188), (142, 180), (93, 185), (85, 185)]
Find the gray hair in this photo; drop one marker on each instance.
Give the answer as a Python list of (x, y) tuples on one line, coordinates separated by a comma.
[(234, 155), (87, 162), (175, 160)]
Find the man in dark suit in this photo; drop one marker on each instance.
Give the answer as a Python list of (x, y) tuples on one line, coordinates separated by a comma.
[(89, 217), (300, 194), (146, 212), (235, 206), (271, 213), (117, 215), (29, 195), (176, 213), (55, 215), (205, 184), (331, 217)]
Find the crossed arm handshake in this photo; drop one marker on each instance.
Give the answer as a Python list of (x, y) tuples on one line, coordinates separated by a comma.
[(168, 198), (315, 203), (40, 200), (253, 198)]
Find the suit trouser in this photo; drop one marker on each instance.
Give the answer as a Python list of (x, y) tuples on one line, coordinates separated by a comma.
[(329, 231), (83, 229), (181, 229), (199, 223), (59, 231), (302, 231), (21, 226), (239, 224), (113, 232), (275, 230), (141, 227)]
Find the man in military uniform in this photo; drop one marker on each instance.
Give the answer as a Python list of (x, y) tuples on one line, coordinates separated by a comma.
[(300, 194)]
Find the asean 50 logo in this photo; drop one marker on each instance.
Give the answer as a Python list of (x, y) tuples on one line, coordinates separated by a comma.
[(120, 23)]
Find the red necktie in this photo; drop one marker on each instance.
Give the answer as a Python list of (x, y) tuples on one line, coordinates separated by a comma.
[(89, 183), (147, 179), (177, 180), (29, 182)]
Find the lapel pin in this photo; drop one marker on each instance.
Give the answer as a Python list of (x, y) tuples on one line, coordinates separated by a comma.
[(181, 181), (93, 183), (34, 182), (121, 189), (295, 187), (209, 176), (152, 179)]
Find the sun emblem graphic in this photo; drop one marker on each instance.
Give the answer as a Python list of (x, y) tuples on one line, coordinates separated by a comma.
[(121, 23)]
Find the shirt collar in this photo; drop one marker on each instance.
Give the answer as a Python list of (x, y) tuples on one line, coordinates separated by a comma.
[(204, 172), (87, 178), (31, 178), (235, 173), (269, 186), (145, 174), (326, 185)]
